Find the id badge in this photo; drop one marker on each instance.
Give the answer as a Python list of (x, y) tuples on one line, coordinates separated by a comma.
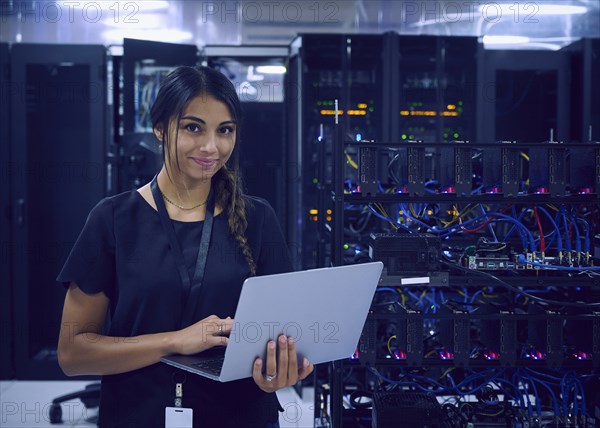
[(178, 417)]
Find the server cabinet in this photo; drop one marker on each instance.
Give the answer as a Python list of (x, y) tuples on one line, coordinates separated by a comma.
[(57, 174), (526, 96), (436, 89), (323, 70), (388, 88), (6, 313)]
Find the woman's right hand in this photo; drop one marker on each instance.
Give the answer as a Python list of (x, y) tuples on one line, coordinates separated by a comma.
[(203, 335), (83, 350)]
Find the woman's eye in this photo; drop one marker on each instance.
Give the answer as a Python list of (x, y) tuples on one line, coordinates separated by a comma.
[(226, 130), (192, 127)]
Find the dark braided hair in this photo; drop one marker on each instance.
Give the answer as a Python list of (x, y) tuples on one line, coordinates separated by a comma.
[(176, 91)]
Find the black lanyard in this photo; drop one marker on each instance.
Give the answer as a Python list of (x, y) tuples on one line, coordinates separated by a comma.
[(191, 286)]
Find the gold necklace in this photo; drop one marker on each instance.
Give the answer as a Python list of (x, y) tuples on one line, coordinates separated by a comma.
[(179, 206)]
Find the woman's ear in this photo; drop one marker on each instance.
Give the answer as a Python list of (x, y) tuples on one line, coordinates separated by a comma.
[(158, 132)]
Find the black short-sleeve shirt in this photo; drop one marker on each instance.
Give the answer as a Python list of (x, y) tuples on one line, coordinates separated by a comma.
[(124, 252)]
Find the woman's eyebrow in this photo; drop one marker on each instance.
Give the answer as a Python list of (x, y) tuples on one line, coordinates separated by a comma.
[(197, 119), (194, 118)]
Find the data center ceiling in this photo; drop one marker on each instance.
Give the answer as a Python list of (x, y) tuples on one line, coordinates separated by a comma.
[(540, 24)]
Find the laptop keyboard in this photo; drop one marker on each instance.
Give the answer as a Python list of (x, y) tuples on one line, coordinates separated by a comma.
[(210, 365)]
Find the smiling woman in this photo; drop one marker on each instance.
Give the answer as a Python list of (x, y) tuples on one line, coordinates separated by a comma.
[(202, 140), (168, 261)]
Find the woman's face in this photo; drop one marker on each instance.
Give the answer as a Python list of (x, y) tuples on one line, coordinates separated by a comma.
[(205, 139)]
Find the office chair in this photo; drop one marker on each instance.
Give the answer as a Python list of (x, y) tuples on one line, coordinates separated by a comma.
[(90, 397)]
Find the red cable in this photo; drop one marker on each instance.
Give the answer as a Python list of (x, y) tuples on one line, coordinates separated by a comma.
[(481, 226), (542, 241), (484, 224)]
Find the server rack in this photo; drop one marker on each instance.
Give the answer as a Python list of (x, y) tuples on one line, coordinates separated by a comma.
[(377, 80), (564, 338), (320, 68), (551, 164), (57, 174)]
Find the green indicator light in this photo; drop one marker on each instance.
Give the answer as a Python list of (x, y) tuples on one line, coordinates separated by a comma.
[(456, 135), (315, 181), (445, 135), (371, 109), (404, 136), (346, 246), (412, 137), (460, 103)]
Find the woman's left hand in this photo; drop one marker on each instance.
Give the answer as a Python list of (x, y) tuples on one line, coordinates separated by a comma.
[(282, 368)]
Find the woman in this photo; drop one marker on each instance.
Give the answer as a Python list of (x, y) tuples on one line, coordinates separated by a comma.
[(164, 266)]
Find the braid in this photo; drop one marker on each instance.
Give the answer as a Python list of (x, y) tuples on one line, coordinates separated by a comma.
[(229, 196)]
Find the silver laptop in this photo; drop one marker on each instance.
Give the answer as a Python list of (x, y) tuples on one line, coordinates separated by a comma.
[(324, 310)]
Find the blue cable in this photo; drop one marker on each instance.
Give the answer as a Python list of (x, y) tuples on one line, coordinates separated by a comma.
[(567, 238), (526, 243), (538, 405), (575, 405), (473, 192), (387, 289), (564, 395), (573, 381), (490, 224), (508, 218), (406, 211), (514, 394), (582, 392), (552, 394), (451, 380), (477, 293), (522, 259), (454, 230), (389, 220), (395, 382), (568, 380), (521, 401), (414, 296), (586, 227), (577, 237), (556, 228), (510, 231), (529, 409), (554, 379), (455, 388)]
